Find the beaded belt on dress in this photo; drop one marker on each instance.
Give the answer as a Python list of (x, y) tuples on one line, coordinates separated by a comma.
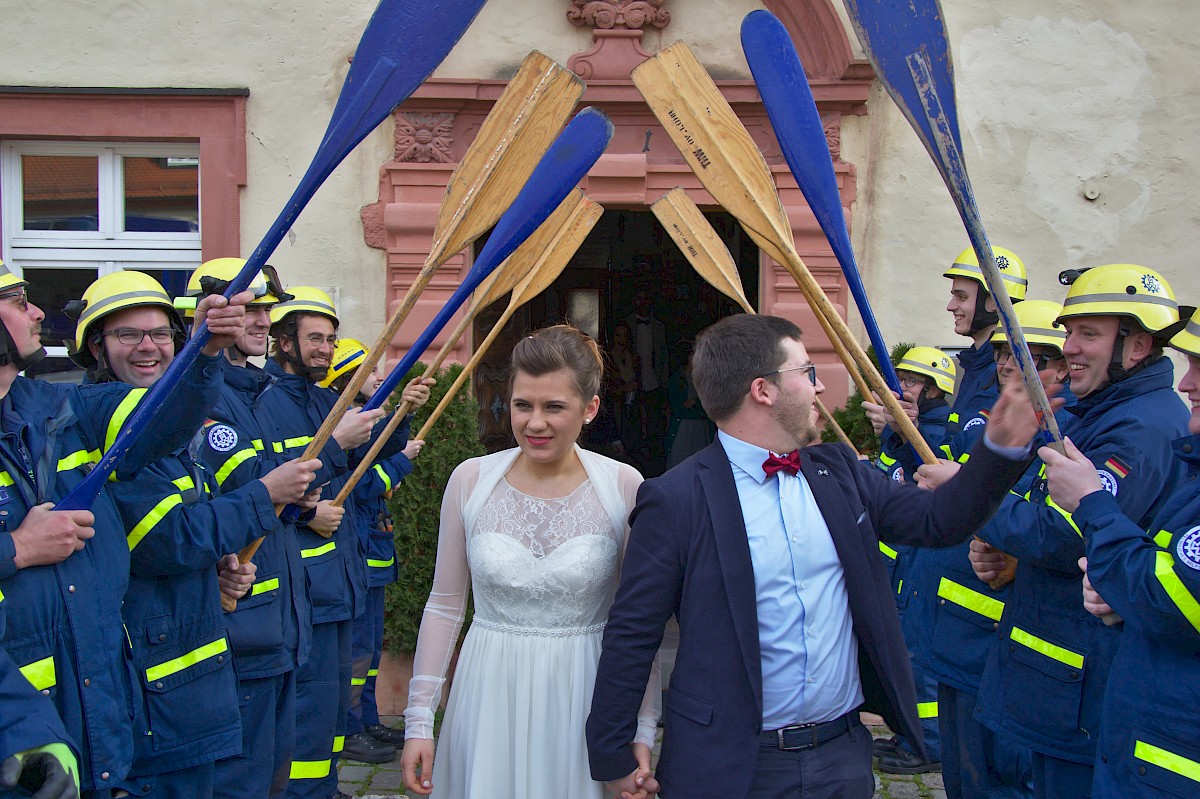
[(548, 632)]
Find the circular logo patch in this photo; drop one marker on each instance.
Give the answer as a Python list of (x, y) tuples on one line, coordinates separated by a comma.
[(1108, 481), (975, 422), (1188, 548), (898, 475), (222, 438)]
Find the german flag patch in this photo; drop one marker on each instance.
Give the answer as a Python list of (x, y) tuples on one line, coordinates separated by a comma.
[(1117, 467)]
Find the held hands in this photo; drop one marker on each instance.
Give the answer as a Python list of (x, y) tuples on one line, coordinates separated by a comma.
[(47, 536), (235, 577), (1070, 477), (289, 482), (1013, 421), (413, 448), (639, 783), (416, 393), (328, 518), (931, 475), (879, 416), (354, 428), (226, 320), (418, 756)]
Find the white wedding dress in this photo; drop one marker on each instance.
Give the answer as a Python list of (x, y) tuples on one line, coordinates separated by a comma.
[(542, 573)]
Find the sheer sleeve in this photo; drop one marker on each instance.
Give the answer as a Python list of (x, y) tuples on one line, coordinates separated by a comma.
[(445, 609), (650, 711)]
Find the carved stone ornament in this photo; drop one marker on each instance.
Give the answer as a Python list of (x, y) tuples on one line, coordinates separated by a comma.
[(609, 14), (423, 138), (833, 135)]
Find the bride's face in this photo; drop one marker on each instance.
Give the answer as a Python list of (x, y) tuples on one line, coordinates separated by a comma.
[(548, 414)]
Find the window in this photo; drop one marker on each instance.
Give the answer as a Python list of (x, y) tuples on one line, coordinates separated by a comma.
[(73, 211)]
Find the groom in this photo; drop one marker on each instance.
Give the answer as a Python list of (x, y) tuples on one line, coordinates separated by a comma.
[(771, 565)]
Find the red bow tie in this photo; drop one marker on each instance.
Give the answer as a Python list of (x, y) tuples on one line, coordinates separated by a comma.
[(789, 463)]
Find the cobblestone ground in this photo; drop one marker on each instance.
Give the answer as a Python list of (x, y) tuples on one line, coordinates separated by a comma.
[(386, 781)]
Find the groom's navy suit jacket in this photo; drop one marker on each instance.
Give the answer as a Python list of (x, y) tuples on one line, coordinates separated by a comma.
[(688, 555)]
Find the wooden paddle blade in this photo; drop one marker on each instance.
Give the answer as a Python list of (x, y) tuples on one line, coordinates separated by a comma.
[(715, 144), (700, 244), (558, 251), (518, 266), (532, 110), (890, 31)]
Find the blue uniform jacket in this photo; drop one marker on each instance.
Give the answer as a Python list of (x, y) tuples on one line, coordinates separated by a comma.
[(932, 422), (1044, 680), (372, 518), (173, 611), (270, 632), (1150, 741), (64, 621)]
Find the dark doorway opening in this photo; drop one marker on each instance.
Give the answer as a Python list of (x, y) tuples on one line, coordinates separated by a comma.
[(628, 252)]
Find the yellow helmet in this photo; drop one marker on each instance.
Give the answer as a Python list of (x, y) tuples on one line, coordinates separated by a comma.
[(1039, 322), (1187, 340), (116, 292), (219, 272), (305, 299), (1123, 290), (347, 356), (8, 280), (1012, 269), (931, 362)]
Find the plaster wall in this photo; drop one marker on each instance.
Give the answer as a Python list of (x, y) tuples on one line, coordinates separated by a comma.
[(1055, 98)]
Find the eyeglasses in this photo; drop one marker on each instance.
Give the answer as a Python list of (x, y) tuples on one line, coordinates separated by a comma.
[(811, 368), (1002, 356), (316, 339), (911, 381), (21, 296), (132, 336)]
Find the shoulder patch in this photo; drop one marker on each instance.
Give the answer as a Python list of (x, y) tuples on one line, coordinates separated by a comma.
[(1108, 481), (898, 475), (975, 422), (1188, 548), (222, 437), (1117, 467)]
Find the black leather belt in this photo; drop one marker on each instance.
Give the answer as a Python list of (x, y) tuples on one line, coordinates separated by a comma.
[(807, 736)]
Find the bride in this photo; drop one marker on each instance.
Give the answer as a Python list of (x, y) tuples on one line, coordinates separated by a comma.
[(537, 533)]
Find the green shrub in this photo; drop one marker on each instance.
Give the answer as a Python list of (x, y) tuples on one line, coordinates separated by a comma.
[(417, 501), (853, 419)]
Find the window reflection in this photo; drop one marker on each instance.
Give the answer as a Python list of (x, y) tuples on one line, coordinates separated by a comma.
[(61, 192), (162, 195)]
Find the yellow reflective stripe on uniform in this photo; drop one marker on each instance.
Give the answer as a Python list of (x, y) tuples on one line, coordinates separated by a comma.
[(235, 460), (121, 414), (293, 443), (1, 596), (257, 444), (156, 514), (945, 448), (264, 586), (381, 564), (1164, 570), (1163, 539), (5, 479), (383, 475), (1178, 764), (927, 710), (372, 672), (970, 599), (1066, 515), (309, 769), (358, 680), (963, 458), (41, 674), (277, 446), (953, 417), (885, 549), (886, 459), (182, 662), (318, 551), (184, 483), (339, 743), (1046, 648), (77, 459)]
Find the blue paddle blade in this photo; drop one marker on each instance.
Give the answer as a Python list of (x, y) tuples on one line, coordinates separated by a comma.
[(562, 167), (403, 43), (890, 31), (793, 112)]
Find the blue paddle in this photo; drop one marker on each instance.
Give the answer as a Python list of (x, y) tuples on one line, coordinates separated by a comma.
[(403, 43), (906, 42), (562, 167), (793, 112)]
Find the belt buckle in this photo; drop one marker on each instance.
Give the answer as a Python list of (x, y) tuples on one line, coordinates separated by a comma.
[(783, 733)]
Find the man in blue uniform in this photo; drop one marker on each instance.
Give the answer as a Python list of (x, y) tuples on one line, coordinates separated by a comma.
[(63, 607), (1045, 678), (1148, 741)]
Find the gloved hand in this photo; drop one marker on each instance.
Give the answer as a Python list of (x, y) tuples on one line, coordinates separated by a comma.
[(47, 772)]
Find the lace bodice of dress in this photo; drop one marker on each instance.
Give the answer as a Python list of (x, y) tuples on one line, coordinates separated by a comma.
[(543, 565)]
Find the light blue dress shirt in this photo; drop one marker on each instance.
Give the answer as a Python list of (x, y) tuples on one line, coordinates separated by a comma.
[(805, 632)]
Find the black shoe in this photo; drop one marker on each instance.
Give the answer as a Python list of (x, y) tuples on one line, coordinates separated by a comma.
[(365, 749), (885, 746), (387, 735), (904, 762)]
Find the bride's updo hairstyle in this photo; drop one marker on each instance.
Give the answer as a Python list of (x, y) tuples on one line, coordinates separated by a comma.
[(560, 347)]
